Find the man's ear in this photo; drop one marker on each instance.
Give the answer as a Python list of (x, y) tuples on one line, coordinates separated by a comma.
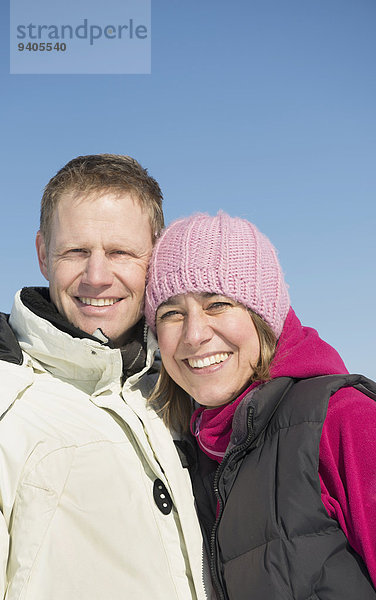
[(42, 254)]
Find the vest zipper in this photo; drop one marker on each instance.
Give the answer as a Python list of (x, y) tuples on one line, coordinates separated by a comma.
[(215, 574)]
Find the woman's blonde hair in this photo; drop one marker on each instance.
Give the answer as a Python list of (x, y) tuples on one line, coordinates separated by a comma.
[(175, 405)]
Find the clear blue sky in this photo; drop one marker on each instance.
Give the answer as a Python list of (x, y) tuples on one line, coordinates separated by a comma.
[(265, 109)]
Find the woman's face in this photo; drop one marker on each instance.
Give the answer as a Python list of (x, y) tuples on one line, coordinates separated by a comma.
[(208, 345)]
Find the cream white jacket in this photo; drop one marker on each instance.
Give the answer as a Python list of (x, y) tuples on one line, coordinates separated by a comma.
[(79, 458)]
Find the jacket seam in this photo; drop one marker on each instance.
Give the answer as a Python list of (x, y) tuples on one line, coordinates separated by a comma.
[(27, 580)]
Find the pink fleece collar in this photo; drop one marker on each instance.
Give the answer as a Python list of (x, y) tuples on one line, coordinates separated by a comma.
[(212, 427)]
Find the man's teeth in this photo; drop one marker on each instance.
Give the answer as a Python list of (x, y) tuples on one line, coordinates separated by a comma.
[(199, 363), (99, 301)]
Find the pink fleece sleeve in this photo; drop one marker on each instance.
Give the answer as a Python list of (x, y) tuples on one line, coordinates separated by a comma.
[(347, 470)]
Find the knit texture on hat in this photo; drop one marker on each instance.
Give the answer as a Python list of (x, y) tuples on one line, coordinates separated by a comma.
[(222, 255)]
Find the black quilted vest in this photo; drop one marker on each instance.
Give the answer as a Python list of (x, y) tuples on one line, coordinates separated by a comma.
[(273, 538)]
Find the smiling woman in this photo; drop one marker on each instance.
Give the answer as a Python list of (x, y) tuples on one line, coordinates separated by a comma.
[(210, 346), (280, 426)]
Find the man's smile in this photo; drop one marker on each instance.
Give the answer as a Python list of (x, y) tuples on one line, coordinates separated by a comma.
[(98, 301)]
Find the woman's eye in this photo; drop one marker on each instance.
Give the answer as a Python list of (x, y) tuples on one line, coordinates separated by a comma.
[(169, 315), (218, 306)]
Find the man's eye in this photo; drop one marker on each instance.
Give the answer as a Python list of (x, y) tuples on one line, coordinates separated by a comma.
[(122, 253)]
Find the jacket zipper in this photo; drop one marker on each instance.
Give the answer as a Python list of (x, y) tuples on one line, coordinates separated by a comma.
[(232, 453)]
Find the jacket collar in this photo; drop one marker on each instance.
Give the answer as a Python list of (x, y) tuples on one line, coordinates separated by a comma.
[(255, 411), (65, 351)]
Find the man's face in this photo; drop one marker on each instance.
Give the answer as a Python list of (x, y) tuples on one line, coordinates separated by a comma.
[(96, 262)]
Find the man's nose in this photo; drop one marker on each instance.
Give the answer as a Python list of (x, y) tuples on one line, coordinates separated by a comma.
[(98, 272), (197, 329)]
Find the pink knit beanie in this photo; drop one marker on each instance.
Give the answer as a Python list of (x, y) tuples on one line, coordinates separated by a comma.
[(224, 255)]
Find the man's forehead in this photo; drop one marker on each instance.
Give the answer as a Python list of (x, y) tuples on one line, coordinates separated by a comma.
[(108, 223), (73, 200), (77, 196)]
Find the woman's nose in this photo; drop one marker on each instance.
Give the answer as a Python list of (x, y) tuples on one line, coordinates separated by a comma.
[(197, 329)]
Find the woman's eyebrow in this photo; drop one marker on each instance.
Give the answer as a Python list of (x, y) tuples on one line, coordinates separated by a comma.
[(168, 302), (173, 300)]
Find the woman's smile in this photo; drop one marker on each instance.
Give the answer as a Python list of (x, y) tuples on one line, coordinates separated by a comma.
[(207, 361)]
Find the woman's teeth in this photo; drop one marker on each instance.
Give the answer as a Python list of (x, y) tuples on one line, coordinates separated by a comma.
[(199, 363), (99, 301)]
